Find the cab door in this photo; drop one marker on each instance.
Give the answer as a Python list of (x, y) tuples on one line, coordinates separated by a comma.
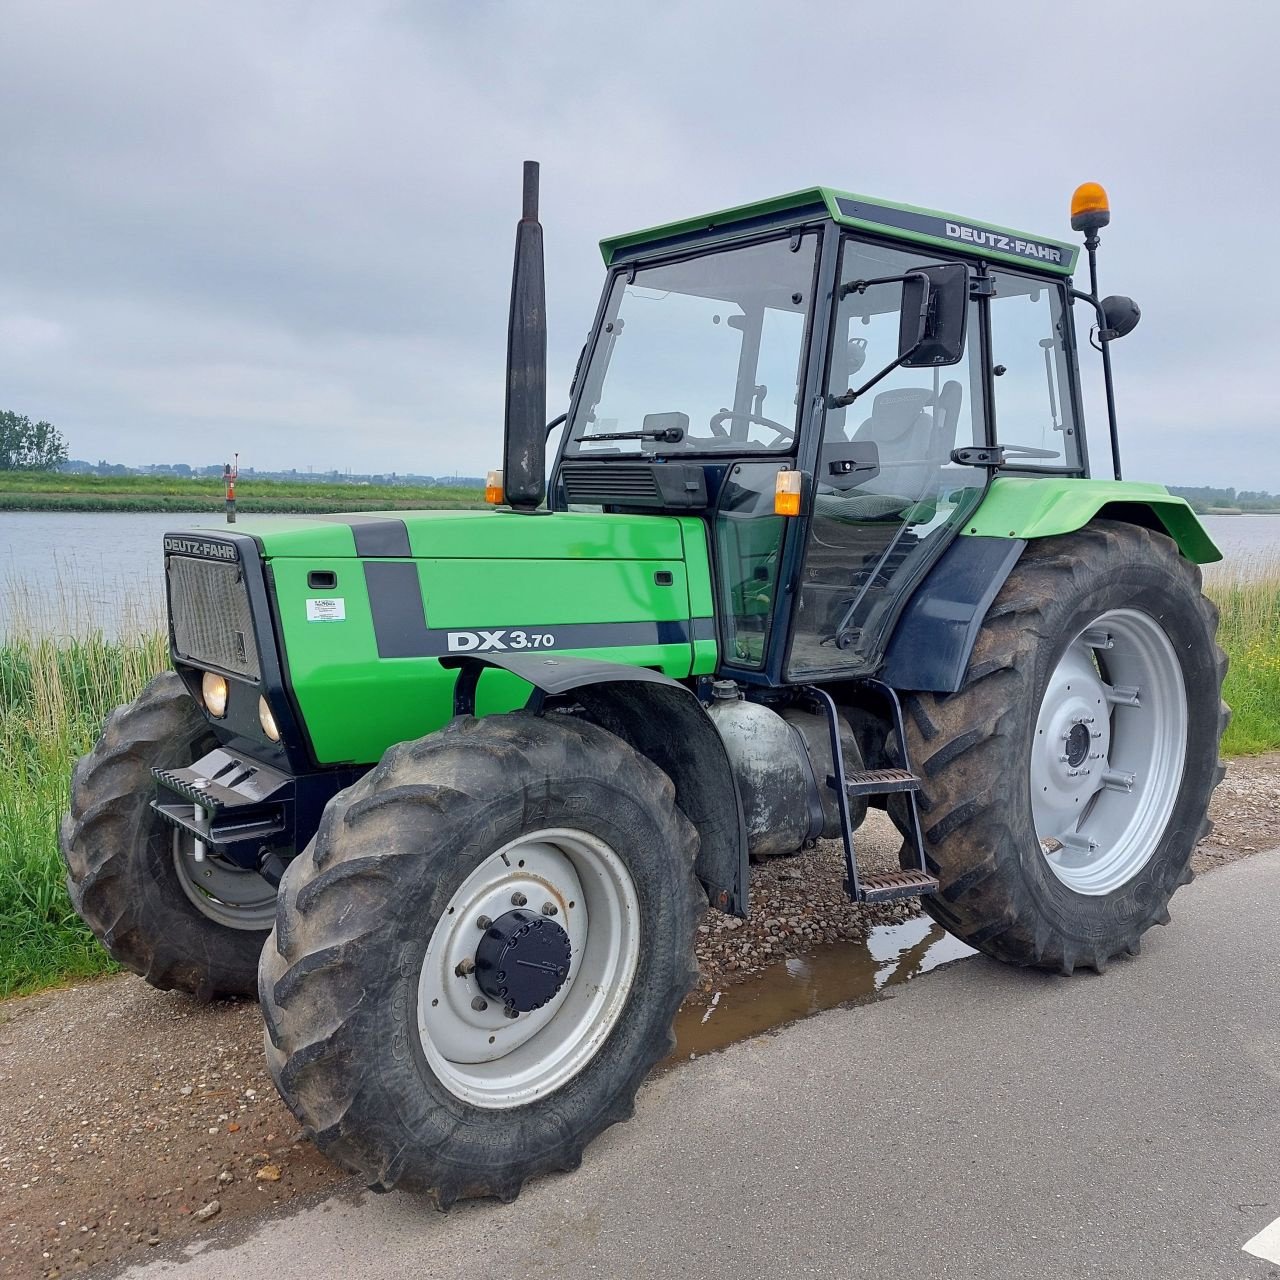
[(869, 542)]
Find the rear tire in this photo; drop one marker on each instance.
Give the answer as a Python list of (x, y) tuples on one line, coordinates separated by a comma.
[(368, 1002), (128, 874), (999, 788)]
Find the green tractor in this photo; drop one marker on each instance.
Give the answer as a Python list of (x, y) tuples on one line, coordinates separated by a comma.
[(450, 791)]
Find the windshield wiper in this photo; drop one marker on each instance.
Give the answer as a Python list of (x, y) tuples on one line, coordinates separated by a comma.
[(668, 435)]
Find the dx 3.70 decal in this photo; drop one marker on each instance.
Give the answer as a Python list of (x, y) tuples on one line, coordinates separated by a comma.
[(480, 641)]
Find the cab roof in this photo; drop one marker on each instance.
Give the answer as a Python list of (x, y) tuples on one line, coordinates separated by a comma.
[(899, 221)]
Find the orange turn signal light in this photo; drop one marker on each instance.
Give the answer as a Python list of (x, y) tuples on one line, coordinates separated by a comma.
[(493, 488), (786, 493), (1090, 208)]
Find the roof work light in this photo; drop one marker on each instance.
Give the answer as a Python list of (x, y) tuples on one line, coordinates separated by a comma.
[(1090, 209)]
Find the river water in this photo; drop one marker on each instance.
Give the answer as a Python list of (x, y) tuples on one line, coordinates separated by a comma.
[(78, 572)]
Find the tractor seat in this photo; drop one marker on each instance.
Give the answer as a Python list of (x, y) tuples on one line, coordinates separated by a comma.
[(914, 436)]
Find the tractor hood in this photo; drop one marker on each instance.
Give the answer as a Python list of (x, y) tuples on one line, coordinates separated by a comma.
[(364, 606)]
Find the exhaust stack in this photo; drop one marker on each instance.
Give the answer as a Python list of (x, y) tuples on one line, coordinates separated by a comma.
[(524, 435)]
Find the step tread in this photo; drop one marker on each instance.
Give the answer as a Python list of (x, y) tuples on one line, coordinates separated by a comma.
[(897, 884), (863, 782)]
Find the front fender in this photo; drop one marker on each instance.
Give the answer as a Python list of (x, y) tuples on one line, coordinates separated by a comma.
[(662, 720)]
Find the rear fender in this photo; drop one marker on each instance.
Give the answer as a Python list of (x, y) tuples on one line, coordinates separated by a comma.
[(930, 646), (662, 720)]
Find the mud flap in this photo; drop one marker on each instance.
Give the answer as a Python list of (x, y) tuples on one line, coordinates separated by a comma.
[(665, 722)]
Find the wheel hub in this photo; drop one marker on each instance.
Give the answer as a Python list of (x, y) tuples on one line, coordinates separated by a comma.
[(1077, 747), (522, 961)]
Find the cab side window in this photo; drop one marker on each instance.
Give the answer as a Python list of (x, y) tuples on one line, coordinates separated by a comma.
[(1031, 361)]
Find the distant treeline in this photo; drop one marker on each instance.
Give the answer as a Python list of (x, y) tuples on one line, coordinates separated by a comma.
[(1207, 498), (214, 471)]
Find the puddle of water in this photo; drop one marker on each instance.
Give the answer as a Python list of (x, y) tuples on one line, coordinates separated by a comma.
[(821, 979)]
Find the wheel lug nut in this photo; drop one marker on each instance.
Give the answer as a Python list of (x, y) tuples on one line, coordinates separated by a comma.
[(549, 908), (465, 967), (483, 922), (510, 1012), (479, 1004), (518, 899)]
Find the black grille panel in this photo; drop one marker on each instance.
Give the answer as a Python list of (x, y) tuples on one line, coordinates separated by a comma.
[(212, 623), (609, 482), (667, 485)]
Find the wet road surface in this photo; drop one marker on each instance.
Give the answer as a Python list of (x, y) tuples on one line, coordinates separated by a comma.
[(984, 1122)]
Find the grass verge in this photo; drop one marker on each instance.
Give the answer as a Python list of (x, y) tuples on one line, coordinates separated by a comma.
[(53, 491), (1249, 630), (55, 694)]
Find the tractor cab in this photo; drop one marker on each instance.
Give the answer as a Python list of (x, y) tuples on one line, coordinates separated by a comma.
[(826, 378)]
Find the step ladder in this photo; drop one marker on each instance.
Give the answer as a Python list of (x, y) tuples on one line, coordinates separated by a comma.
[(907, 883)]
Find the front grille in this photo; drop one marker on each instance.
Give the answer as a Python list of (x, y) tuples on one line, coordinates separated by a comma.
[(212, 624)]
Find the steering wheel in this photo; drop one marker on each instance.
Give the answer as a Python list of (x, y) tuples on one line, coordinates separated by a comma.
[(719, 419)]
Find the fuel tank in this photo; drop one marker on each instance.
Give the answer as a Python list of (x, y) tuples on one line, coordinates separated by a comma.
[(782, 760)]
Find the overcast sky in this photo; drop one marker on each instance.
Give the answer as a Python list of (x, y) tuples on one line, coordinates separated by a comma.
[(286, 228)]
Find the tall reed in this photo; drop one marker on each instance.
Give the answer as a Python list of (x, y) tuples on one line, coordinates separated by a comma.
[(54, 695), (1248, 595)]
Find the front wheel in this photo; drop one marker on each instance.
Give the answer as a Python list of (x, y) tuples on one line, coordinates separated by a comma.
[(1065, 787), (479, 957), (133, 878)]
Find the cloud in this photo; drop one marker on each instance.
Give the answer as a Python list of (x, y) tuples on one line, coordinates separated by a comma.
[(287, 228)]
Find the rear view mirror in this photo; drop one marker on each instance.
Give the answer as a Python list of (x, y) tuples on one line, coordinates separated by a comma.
[(935, 314), (931, 324)]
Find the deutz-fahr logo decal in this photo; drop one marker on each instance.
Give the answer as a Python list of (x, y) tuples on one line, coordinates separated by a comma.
[(942, 228), (202, 547), (1002, 243)]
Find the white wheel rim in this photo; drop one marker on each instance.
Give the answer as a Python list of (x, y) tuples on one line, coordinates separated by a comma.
[(480, 1054), (1108, 752)]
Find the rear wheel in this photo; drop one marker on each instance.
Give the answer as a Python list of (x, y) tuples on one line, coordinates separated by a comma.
[(479, 957), (1064, 788), (133, 879)]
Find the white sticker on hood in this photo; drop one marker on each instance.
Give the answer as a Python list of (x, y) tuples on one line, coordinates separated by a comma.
[(330, 609)]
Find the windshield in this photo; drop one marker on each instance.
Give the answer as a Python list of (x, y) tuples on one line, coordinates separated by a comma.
[(701, 355)]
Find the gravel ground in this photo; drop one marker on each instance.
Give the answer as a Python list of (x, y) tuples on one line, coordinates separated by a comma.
[(134, 1121)]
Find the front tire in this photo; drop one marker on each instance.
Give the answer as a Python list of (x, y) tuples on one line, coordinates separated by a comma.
[(402, 1066), (1065, 787), (183, 925)]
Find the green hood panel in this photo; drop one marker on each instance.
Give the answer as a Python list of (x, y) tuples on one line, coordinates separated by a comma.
[(1040, 507), (362, 657)]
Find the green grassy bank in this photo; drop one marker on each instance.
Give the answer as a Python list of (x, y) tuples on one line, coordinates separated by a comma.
[(54, 695), (52, 491)]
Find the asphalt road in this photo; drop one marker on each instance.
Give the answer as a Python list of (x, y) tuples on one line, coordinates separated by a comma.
[(983, 1123)]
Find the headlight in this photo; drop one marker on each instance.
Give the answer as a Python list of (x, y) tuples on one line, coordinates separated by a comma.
[(213, 689), (267, 721)]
